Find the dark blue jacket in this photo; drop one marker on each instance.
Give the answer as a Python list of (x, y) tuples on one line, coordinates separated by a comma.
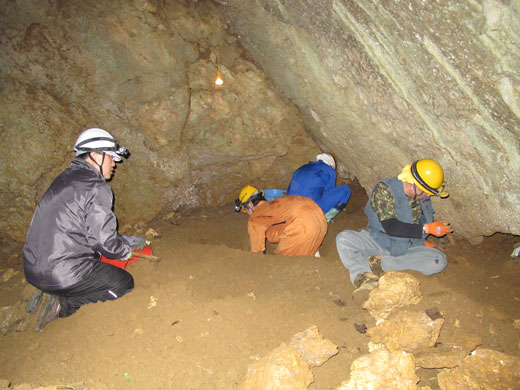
[(317, 180)]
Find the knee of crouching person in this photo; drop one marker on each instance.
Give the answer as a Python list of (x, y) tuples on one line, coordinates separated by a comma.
[(340, 237), (343, 238), (125, 286), (439, 263)]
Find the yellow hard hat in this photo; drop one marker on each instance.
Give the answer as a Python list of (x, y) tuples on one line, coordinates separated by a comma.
[(428, 175), (246, 194)]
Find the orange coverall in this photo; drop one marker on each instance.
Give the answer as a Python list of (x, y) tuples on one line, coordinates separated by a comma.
[(296, 223)]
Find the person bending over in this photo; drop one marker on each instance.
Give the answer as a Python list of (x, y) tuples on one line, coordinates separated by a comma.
[(295, 223), (317, 180)]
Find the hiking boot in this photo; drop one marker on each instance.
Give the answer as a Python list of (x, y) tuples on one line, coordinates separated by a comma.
[(34, 301), (364, 283), (49, 312), (375, 265)]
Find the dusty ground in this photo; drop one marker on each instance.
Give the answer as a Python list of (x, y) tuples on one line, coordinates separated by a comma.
[(219, 308)]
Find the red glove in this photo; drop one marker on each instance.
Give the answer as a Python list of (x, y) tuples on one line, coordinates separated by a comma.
[(438, 228), (429, 244)]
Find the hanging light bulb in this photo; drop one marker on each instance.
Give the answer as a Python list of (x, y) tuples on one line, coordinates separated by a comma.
[(218, 79)]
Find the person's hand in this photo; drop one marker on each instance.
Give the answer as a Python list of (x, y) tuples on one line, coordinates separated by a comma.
[(429, 244), (438, 228), (136, 242)]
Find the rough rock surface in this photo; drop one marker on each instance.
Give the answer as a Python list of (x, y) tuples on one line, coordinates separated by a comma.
[(311, 346), (378, 83), (13, 318), (407, 331), (408, 80), (483, 369), (382, 369), (448, 354), (283, 368), (394, 290), (143, 70)]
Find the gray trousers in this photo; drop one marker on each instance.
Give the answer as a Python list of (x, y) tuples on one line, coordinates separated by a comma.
[(355, 247)]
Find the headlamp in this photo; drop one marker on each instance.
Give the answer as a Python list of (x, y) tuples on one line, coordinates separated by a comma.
[(238, 205), (122, 151)]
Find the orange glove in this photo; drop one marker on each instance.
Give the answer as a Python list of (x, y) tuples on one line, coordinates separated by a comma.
[(429, 244), (438, 228)]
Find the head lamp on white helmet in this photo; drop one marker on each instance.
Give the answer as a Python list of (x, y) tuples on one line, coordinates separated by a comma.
[(99, 141)]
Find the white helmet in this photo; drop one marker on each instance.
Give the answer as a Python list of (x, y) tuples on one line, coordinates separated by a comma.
[(327, 159), (99, 141)]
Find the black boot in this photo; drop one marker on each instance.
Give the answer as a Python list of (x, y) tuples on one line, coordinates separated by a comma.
[(49, 312), (34, 301)]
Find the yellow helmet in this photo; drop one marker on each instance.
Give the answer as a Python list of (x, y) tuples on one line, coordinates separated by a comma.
[(247, 194), (428, 175)]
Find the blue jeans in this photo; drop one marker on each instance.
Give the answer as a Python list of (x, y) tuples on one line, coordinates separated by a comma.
[(336, 196), (355, 248)]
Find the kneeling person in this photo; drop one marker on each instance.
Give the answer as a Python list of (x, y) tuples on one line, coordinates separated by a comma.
[(296, 223), (73, 225)]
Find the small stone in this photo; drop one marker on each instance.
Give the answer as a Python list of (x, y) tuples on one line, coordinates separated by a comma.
[(9, 274), (153, 302)]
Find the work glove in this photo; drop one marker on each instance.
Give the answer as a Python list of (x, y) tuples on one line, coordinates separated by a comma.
[(136, 242), (429, 244), (438, 228)]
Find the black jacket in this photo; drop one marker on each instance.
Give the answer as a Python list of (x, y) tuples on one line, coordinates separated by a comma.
[(72, 224)]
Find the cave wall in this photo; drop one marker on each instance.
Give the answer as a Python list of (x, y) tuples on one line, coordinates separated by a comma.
[(382, 83), (377, 83), (144, 71)]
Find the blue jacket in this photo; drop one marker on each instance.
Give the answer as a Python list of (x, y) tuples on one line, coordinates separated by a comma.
[(317, 180), (397, 245)]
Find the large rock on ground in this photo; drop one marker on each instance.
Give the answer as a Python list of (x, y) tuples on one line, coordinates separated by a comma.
[(483, 369), (283, 368), (382, 369), (407, 331), (394, 290), (450, 353), (311, 346)]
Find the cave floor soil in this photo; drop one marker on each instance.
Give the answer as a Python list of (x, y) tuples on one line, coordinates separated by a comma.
[(210, 309)]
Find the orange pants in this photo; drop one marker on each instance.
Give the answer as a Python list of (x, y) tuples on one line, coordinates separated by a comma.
[(296, 223)]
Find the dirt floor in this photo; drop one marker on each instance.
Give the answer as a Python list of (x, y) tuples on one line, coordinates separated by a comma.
[(211, 308)]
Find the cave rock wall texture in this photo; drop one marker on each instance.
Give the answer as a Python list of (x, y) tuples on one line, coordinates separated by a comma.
[(381, 83), (144, 71), (377, 83)]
